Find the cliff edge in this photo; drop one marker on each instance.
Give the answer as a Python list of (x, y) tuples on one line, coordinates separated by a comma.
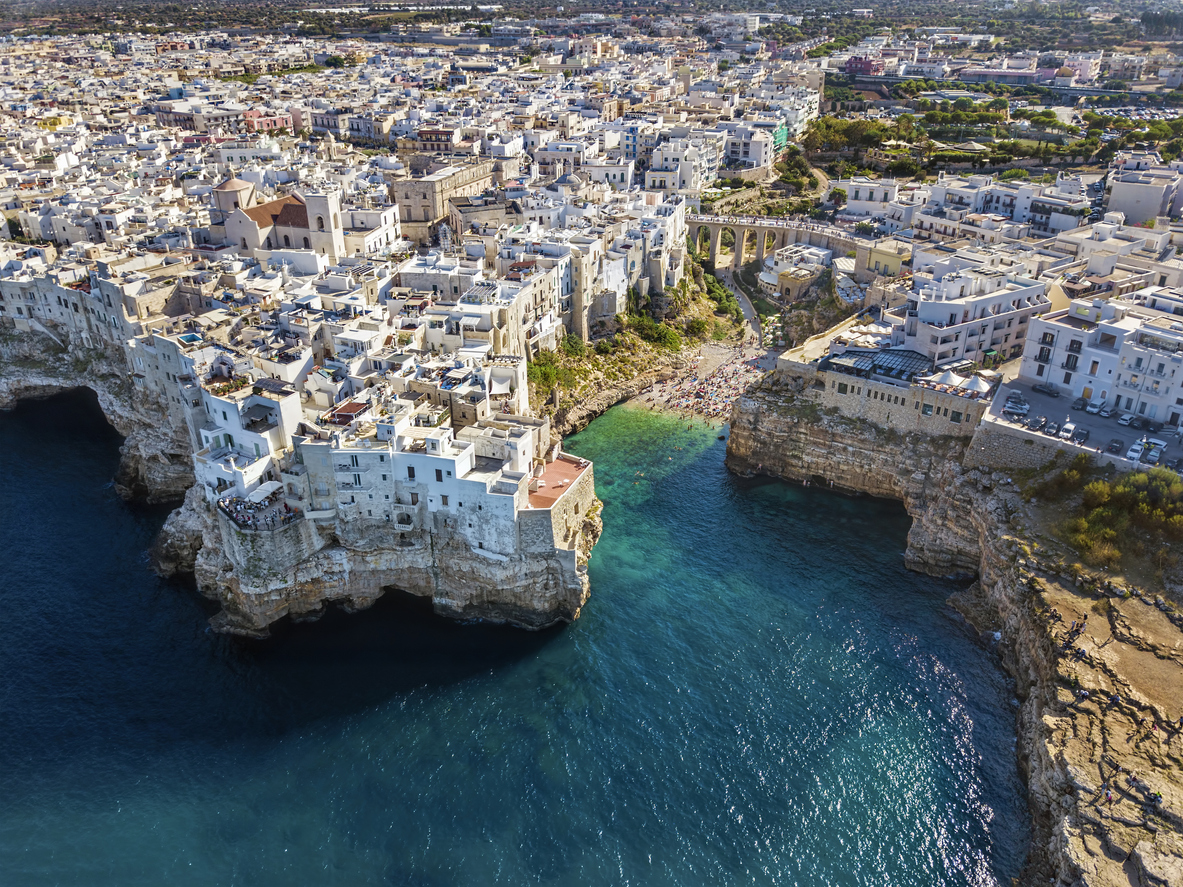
[(1092, 825), (261, 576), (156, 463)]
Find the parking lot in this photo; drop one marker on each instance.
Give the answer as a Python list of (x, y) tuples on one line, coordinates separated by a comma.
[(1101, 431)]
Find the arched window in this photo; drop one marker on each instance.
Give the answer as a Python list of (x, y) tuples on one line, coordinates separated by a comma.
[(306, 243), (320, 223), (244, 246), (336, 221), (287, 240), (267, 243)]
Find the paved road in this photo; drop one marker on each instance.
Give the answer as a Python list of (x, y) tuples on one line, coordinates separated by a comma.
[(1101, 431), (751, 319)]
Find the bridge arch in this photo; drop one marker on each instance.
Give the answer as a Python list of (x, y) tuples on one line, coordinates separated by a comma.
[(702, 238), (727, 240)]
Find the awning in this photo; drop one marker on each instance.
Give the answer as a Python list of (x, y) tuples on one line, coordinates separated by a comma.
[(948, 377), (500, 386), (977, 383), (265, 490)]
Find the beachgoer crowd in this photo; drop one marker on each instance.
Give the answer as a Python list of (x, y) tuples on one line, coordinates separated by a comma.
[(711, 394)]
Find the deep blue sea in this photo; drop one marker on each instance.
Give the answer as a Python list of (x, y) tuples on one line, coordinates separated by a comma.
[(757, 693)]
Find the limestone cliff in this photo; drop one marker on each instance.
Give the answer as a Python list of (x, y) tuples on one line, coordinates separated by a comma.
[(970, 520), (156, 463), (576, 413), (261, 576), (777, 430)]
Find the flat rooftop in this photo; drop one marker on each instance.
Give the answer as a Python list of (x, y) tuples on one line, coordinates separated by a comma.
[(555, 481)]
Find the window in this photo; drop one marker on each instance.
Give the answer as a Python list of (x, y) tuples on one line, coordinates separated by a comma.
[(1039, 369), (353, 461), (410, 472), (320, 223), (926, 409), (439, 476), (443, 500), (955, 417), (306, 244), (414, 498), (1067, 378), (842, 388), (287, 241), (357, 480)]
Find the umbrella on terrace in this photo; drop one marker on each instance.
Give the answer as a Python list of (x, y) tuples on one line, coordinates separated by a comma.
[(948, 377), (976, 383)]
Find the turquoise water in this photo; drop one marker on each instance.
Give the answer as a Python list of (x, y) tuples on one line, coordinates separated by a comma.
[(756, 693)]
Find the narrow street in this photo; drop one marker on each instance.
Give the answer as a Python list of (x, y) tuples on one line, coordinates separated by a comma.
[(751, 319)]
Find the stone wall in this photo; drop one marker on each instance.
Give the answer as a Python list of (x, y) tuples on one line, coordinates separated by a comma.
[(906, 409), (994, 447)]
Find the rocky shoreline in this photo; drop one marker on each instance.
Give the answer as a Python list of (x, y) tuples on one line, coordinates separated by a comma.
[(967, 522), (353, 563), (314, 562)]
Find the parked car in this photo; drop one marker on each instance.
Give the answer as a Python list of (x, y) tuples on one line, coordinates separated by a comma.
[(1068, 430), (1045, 389), (1105, 413), (1016, 409), (1151, 456), (1079, 404), (1080, 435), (1051, 429), (1095, 407), (1173, 464), (1125, 419), (1135, 452), (1152, 426), (1115, 446), (1038, 423), (1138, 422)]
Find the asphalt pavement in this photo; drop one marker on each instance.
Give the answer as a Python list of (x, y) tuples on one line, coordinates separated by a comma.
[(1101, 431)]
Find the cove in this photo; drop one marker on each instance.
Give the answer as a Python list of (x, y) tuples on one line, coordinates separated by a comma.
[(757, 692)]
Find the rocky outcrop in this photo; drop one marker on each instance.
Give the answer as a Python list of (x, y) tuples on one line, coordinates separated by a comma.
[(156, 458), (971, 520), (575, 415), (259, 577), (777, 430)]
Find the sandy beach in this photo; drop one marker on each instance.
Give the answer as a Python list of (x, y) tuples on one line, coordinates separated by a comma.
[(718, 375)]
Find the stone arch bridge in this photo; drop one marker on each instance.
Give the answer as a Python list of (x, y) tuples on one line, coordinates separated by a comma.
[(771, 234)]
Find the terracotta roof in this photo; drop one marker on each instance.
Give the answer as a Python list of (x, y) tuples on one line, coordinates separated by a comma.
[(233, 185), (287, 211)]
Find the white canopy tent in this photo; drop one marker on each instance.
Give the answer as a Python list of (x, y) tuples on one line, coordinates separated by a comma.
[(264, 490)]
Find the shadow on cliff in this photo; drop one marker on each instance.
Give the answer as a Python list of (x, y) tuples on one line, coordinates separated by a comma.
[(345, 662)]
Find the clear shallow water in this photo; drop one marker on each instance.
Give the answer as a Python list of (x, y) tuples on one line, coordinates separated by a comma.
[(757, 693)]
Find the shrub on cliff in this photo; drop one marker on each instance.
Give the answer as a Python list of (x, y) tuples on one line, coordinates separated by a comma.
[(573, 346)]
